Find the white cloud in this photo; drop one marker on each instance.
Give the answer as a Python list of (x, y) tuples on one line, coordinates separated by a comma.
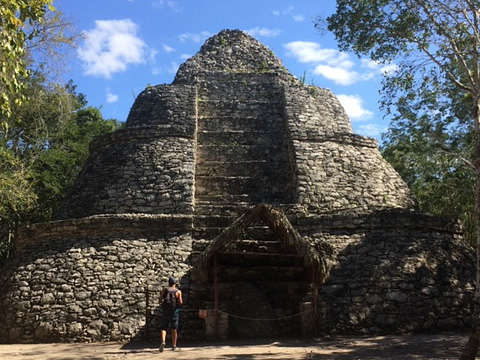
[(298, 17), (329, 63), (171, 4), (196, 38), (312, 52), (265, 32), (166, 69), (341, 75), (389, 69), (110, 47), (286, 11), (173, 68), (185, 56), (378, 67), (372, 130), (289, 12), (111, 98), (353, 105), (168, 49), (336, 74)]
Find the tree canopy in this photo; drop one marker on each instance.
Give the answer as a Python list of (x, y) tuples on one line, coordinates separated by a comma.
[(46, 126), (15, 16), (434, 95)]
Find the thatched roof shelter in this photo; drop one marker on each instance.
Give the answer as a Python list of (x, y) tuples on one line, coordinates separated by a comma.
[(316, 258)]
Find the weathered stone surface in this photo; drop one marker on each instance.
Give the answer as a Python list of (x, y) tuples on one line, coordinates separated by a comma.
[(235, 129)]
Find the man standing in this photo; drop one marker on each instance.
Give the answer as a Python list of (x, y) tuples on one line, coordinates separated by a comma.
[(171, 299)]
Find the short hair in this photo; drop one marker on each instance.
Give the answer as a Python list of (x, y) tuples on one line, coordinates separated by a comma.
[(171, 281)]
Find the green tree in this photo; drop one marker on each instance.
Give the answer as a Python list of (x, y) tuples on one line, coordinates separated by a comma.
[(45, 150), (437, 169), (430, 144), (435, 43), (15, 15)]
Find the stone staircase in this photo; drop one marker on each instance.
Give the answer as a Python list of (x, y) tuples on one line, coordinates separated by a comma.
[(242, 157), (242, 160)]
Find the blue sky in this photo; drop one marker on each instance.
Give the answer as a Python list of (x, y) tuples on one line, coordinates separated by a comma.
[(129, 44)]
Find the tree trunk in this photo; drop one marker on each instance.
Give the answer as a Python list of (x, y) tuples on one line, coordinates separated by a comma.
[(471, 349)]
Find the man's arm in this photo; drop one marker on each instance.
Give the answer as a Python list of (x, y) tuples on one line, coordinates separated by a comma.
[(179, 297)]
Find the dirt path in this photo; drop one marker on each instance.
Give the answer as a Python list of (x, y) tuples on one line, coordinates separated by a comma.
[(381, 347)]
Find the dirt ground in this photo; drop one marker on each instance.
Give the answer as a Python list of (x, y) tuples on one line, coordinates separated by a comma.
[(404, 347)]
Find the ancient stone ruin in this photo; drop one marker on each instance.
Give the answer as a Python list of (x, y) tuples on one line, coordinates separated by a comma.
[(251, 188)]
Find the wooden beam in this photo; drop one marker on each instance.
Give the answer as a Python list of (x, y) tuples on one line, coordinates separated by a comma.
[(215, 280)]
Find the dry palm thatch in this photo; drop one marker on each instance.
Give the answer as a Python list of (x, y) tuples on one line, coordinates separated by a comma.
[(316, 259)]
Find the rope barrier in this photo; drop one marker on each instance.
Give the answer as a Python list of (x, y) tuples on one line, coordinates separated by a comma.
[(249, 318), (263, 319)]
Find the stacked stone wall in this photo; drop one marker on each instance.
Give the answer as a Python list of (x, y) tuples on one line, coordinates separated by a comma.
[(243, 56), (242, 145), (147, 167), (149, 175), (394, 272), (164, 104), (312, 112), (336, 176), (144, 194), (88, 288)]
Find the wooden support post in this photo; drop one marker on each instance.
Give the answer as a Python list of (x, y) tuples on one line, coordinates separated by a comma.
[(215, 279), (315, 302), (147, 311)]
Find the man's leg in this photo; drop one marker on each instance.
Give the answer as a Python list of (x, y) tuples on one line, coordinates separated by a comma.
[(175, 322), (164, 336), (174, 338)]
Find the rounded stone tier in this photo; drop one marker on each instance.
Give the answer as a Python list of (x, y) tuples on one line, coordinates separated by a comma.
[(234, 130), (232, 51)]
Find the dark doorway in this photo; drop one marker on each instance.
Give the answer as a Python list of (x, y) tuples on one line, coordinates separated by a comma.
[(261, 285)]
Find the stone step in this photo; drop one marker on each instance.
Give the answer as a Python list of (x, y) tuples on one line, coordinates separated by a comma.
[(246, 123), (218, 221), (269, 188), (239, 137), (241, 200), (238, 103), (239, 109), (242, 89), (210, 232), (251, 168), (206, 208), (261, 273), (264, 244), (228, 153), (259, 259), (216, 218), (206, 233), (273, 286)]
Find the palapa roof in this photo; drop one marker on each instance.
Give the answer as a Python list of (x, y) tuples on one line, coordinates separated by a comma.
[(315, 258)]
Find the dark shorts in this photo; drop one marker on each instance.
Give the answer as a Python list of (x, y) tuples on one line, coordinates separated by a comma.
[(170, 320)]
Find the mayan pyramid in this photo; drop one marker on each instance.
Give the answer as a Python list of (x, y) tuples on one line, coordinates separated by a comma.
[(251, 188)]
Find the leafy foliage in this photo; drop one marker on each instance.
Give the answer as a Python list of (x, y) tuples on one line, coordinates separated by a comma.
[(43, 152), (15, 15), (430, 96), (434, 95)]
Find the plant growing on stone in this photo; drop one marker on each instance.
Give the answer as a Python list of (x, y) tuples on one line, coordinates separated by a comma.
[(263, 67), (313, 91), (431, 41)]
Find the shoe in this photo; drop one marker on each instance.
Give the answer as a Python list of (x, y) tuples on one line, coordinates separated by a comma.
[(162, 346), (175, 348)]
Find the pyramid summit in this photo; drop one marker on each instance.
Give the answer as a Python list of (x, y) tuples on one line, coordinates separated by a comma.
[(232, 51), (250, 188)]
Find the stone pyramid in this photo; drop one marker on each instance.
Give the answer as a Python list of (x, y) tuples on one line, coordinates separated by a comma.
[(235, 131)]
